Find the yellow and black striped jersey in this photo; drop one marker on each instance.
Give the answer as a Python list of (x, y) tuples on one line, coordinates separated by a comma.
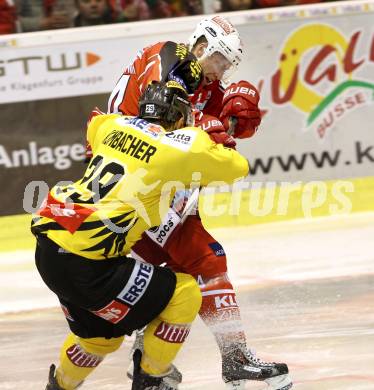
[(129, 183)]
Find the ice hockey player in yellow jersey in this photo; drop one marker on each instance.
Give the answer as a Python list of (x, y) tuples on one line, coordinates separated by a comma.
[(85, 230)]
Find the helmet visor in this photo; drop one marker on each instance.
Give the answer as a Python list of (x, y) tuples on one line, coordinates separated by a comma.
[(181, 106)]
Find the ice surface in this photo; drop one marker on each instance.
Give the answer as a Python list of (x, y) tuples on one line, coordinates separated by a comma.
[(306, 292)]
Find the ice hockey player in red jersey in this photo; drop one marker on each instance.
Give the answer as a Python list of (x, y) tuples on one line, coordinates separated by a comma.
[(212, 55)]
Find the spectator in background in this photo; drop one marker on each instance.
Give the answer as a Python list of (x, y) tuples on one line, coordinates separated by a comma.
[(37, 15), (239, 5), (279, 3), (8, 17), (195, 7), (92, 12), (187, 7), (161, 9), (130, 10), (235, 5), (134, 10)]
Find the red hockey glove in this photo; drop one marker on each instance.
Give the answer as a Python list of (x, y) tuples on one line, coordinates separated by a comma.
[(215, 129), (88, 155), (241, 102)]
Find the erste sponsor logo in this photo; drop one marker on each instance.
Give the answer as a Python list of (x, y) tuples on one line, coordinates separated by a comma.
[(137, 283)]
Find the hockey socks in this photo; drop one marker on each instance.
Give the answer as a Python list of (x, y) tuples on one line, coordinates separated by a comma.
[(220, 312)]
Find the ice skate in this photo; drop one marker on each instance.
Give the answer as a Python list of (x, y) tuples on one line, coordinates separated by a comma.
[(52, 382), (144, 381), (240, 366), (172, 379)]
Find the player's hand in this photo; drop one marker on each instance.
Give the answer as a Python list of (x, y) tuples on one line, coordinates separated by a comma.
[(240, 101), (223, 138), (215, 129), (88, 154)]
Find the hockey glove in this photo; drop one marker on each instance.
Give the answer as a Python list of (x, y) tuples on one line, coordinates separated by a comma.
[(215, 129), (240, 101)]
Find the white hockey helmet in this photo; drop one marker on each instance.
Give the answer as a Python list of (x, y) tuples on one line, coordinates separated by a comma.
[(222, 37)]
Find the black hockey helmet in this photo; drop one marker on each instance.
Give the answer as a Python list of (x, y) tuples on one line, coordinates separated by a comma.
[(166, 102)]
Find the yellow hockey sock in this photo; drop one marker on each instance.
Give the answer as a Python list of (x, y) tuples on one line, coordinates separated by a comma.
[(79, 357), (165, 335)]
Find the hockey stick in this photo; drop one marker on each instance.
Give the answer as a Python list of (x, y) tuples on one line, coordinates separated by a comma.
[(191, 203)]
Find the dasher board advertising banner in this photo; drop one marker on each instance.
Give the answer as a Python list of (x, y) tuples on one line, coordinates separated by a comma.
[(64, 70), (313, 65), (316, 81), (41, 142), (87, 61), (71, 67)]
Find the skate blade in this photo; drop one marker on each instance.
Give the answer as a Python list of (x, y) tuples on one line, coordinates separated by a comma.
[(281, 382), (236, 385), (130, 371)]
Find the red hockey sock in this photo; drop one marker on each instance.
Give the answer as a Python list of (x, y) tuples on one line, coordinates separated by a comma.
[(220, 312)]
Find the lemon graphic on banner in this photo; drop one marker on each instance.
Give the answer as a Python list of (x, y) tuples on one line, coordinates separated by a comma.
[(297, 47)]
